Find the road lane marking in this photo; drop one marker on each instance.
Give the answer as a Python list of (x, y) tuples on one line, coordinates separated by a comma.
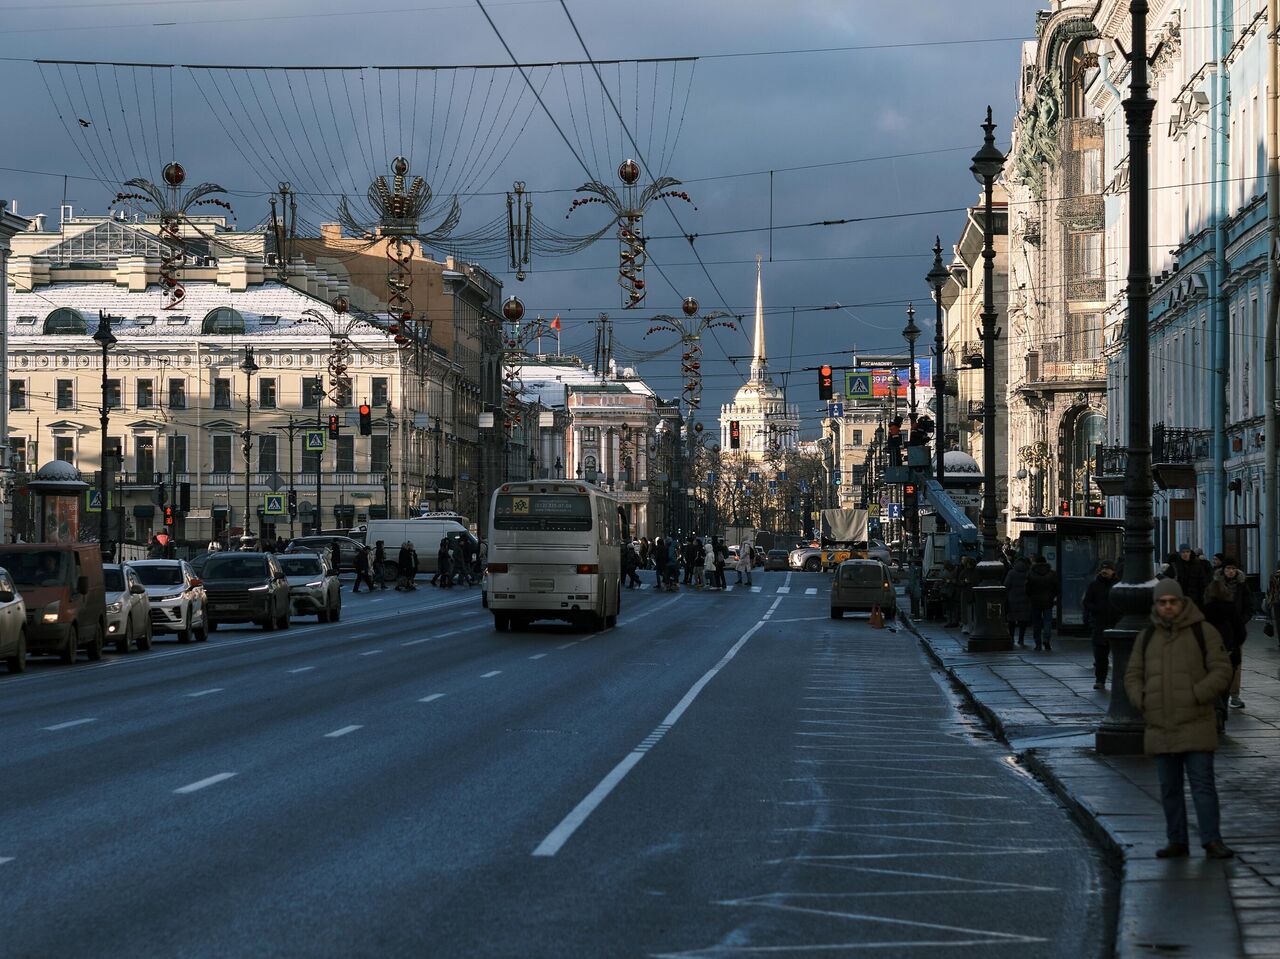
[(74, 722), (784, 589), (202, 783), (342, 732), (491, 674), (452, 632), (432, 698), (756, 589), (537, 655), (302, 669), (561, 834), (4, 859), (811, 591), (567, 645), (371, 652), (205, 692)]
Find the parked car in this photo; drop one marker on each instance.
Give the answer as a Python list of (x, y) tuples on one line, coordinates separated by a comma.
[(313, 586), (246, 587), (348, 548), (775, 559), (128, 608), (63, 596), (863, 584), (13, 625), (177, 598)]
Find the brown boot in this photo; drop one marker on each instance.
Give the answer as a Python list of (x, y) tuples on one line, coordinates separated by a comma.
[(1218, 850), (1175, 850)]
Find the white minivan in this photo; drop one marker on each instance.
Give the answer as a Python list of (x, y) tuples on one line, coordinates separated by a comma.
[(425, 535)]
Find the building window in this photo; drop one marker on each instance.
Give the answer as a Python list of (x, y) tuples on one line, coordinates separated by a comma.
[(177, 394), (379, 453), (17, 394), (346, 447), (178, 454), (591, 434), (379, 395), (66, 395), (114, 451), (66, 320), (266, 454), (221, 394), (310, 462), (223, 319), (267, 394), (146, 394), (144, 455), (222, 454), (18, 453), (857, 437), (311, 392), (113, 394), (64, 449)]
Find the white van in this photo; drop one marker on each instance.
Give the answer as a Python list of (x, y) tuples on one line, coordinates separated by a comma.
[(425, 535)]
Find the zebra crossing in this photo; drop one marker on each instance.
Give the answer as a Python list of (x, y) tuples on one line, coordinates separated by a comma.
[(777, 591)]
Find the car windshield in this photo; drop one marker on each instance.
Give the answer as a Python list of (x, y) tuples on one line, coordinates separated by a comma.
[(113, 580), (861, 574), (159, 575), (38, 568), (301, 565), (235, 567)]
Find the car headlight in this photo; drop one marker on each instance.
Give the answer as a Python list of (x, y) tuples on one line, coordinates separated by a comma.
[(113, 607), (317, 584), (51, 612), (260, 589), (168, 599)]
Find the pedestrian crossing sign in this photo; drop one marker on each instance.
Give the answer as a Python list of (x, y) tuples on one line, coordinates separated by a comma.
[(857, 385), (313, 441), (274, 505), (93, 501)]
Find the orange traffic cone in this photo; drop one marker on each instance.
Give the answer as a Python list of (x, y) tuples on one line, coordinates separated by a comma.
[(877, 618)]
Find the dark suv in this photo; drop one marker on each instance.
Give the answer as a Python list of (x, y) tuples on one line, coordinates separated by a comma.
[(245, 587), (348, 548)]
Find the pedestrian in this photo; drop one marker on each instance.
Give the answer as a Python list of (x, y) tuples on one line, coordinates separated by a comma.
[(699, 564), (745, 555), (1191, 573), (1235, 592), (709, 565), (968, 579), (1018, 601), (407, 568), (673, 564), (442, 562), (482, 557), (468, 548), (380, 563), (659, 562), (630, 563), (1271, 604), (155, 548), (644, 552), (690, 559), (362, 570), (335, 557), (1098, 617), (1042, 589), (1177, 668), (280, 544)]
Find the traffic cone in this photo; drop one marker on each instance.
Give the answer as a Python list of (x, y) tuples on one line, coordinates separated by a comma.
[(877, 618)]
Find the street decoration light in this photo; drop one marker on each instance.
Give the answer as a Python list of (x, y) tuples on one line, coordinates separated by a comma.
[(690, 328), (248, 366), (989, 631), (105, 339), (628, 211)]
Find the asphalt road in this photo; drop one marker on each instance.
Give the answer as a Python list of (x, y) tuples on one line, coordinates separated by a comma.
[(722, 775)]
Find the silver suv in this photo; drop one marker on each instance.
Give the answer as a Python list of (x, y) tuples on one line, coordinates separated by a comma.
[(177, 598)]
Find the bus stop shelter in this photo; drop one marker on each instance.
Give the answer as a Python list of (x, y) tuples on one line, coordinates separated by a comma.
[(1073, 546)]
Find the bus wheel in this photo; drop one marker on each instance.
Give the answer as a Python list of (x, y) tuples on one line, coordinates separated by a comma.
[(610, 621), (501, 622)]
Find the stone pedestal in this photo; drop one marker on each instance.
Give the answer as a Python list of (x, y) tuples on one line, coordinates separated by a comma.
[(1121, 731)]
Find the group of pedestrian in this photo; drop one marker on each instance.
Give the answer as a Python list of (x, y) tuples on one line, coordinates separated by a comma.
[(696, 562), (1031, 589)]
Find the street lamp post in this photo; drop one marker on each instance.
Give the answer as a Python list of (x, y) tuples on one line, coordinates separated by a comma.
[(105, 339), (391, 422), (911, 333), (1121, 731), (936, 278), (989, 631), (249, 367)]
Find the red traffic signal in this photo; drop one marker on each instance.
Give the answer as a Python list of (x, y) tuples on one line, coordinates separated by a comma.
[(1064, 508), (168, 516), (735, 435), (909, 496), (333, 425), (824, 382), (366, 420)]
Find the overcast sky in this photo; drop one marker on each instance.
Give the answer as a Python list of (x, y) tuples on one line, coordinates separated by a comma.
[(920, 102)]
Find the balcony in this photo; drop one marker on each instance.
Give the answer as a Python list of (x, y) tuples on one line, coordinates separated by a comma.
[(971, 354), (1174, 452), (1109, 468), (1060, 366)]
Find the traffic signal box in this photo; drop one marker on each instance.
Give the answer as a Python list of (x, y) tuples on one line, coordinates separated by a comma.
[(366, 420), (735, 435), (334, 426), (910, 498), (168, 515), (824, 382), (1064, 508)]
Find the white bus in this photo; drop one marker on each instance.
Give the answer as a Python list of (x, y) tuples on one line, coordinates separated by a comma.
[(555, 552)]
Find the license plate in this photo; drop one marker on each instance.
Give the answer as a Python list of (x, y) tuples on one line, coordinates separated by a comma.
[(544, 585)]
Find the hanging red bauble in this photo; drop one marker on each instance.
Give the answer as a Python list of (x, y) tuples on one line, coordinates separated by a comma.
[(628, 172), (512, 309), (173, 174), (690, 306), (340, 304)]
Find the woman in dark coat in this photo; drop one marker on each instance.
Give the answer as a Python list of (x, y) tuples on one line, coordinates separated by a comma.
[(1019, 603)]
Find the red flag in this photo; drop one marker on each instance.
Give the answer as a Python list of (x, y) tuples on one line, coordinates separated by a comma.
[(555, 324)]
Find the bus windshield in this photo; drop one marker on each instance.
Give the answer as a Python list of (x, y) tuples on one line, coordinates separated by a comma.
[(543, 512)]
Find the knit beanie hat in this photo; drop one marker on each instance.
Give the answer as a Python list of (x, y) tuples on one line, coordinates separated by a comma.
[(1167, 587)]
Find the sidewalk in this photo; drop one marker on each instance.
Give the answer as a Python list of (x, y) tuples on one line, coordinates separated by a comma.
[(1045, 707)]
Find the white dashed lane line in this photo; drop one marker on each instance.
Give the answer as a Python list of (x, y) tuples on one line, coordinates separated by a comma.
[(302, 669), (202, 783), (811, 591), (68, 725), (4, 859), (342, 732), (432, 698), (204, 692), (537, 655), (491, 674), (371, 652)]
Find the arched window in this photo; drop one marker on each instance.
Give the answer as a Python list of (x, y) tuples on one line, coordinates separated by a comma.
[(1081, 67), (223, 319), (1088, 430), (66, 320)]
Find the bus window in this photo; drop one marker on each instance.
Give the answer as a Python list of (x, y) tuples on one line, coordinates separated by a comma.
[(542, 512)]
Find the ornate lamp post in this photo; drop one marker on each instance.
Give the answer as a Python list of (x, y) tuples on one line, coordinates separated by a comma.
[(1121, 730), (936, 278), (988, 631), (249, 366), (911, 333), (105, 339)]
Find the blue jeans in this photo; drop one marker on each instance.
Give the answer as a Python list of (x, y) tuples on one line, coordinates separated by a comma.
[(1199, 767), (1042, 625)]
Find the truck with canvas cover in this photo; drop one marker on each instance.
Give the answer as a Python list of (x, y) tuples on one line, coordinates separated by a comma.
[(843, 536)]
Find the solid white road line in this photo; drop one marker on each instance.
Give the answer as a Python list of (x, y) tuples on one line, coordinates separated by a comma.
[(342, 732), (556, 839), (452, 632), (432, 698), (202, 783), (537, 655), (74, 722), (491, 674), (371, 652), (302, 669), (204, 692)]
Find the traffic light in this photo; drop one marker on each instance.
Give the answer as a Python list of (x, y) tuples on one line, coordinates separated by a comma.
[(333, 425), (735, 435), (1064, 508), (168, 515), (293, 502), (910, 498), (366, 420), (184, 497), (158, 495), (824, 382), (1094, 509)]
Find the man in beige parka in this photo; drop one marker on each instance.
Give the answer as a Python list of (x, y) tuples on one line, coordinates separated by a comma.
[(1177, 669)]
